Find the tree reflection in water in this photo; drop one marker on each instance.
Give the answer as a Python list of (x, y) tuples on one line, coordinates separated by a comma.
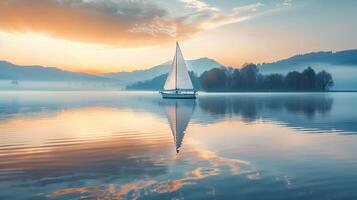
[(251, 107)]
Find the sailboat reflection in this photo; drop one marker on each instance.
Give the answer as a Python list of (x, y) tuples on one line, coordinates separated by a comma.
[(179, 112)]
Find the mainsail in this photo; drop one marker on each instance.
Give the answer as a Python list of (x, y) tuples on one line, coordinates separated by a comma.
[(179, 113), (178, 77)]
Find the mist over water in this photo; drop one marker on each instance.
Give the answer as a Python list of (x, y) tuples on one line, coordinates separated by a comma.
[(133, 145), (12, 85)]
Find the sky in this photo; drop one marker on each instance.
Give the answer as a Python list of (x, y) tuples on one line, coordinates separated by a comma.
[(99, 36)]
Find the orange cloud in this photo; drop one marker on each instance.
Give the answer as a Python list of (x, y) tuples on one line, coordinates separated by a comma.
[(139, 189), (123, 23)]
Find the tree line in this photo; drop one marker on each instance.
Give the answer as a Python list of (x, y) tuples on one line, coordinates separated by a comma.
[(249, 78)]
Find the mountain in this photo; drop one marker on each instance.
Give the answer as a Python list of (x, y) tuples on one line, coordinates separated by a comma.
[(38, 77), (50, 78), (198, 66), (9, 71), (151, 85), (158, 82), (340, 58), (342, 65)]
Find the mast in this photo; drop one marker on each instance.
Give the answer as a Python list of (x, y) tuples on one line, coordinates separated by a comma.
[(176, 67)]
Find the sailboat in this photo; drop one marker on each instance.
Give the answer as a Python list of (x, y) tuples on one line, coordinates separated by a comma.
[(178, 84), (179, 113)]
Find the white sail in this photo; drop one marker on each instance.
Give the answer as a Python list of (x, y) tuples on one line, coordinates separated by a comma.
[(170, 83), (178, 77), (179, 113)]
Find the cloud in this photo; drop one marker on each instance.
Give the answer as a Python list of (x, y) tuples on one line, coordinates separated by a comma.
[(250, 7), (286, 3), (199, 5), (124, 23), (108, 22), (214, 165), (214, 18)]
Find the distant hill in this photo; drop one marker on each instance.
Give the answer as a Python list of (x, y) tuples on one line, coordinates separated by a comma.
[(340, 58), (38, 77), (342, 65), (157, 83), (9, 71), (198, 66)]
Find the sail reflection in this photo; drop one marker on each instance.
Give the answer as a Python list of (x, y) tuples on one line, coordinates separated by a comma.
[(179, 112)]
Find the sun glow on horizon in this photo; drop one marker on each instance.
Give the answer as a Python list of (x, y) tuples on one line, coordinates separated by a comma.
[(110, 37)]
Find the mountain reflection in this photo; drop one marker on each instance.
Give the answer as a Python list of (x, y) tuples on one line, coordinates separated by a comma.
[(179, 112), (322, 112), (116, 145)]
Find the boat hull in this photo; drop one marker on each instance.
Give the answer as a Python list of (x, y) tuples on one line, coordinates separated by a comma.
[(178, 95)]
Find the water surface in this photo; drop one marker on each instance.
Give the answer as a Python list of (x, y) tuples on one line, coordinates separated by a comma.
[(117, 145)]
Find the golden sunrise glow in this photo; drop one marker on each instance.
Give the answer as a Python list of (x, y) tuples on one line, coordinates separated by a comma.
[(112, 36), (39, 49)]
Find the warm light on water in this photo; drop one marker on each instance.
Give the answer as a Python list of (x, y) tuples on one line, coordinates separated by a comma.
[(116, 145)]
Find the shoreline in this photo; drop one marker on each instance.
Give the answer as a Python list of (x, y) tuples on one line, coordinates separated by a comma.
[(156, 91)]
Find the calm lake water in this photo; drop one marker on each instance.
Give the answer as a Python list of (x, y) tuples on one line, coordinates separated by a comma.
[(116, 145)]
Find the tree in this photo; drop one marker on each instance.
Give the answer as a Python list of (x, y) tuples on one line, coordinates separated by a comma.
[(324, 81), (249, 79), (307, 81), (249, 76), (274, 81), (214, 79), (235, 78), (292, 80)]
